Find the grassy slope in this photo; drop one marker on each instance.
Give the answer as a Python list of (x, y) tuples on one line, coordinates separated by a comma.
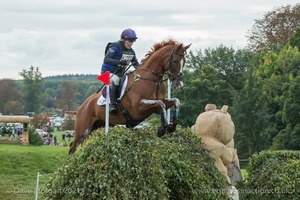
[(19, 166)]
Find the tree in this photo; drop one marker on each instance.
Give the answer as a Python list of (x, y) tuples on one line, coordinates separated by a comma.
[(9, 95), (279, 76), (50, 95), (275, 29), (39, 121), (200, 88), (209, 78), (32, 84), (92, 89), (230, 64), (295, 39), (69, 123), (289, 136), (249, 113), (13, 107), (67, 100)]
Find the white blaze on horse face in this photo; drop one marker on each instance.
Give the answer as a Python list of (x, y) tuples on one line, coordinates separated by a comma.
[(181, 71), (178, 83), (181, 65)]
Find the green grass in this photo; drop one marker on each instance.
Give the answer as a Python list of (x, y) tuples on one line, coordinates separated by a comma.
[(20, 164), (59, 137)]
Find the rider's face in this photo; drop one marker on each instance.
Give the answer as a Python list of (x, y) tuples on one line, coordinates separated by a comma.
[(128, 43)]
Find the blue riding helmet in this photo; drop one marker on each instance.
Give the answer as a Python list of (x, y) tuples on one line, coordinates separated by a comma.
[(128, 34)]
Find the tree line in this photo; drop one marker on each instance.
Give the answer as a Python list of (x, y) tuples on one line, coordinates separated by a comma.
[(259, 83), (51, 95)]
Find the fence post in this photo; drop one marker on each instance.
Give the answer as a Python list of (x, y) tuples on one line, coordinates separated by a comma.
[(37, 186), (169, 97)]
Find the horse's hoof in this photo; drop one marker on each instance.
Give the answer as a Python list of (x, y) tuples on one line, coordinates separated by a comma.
[(171, 128), (161, 131)]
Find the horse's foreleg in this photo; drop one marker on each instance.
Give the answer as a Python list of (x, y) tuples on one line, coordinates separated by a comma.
[(163, 119), (148, 104), (176, 103)]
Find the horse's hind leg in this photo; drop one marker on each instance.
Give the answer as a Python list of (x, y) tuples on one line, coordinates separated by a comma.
[(78, 139), (81, 132), (72, 148)]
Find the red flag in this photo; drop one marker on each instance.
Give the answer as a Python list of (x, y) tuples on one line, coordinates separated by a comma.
[(104, 78)]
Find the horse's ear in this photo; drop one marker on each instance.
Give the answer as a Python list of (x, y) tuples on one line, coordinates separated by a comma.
[(186, 47), (179, 47)]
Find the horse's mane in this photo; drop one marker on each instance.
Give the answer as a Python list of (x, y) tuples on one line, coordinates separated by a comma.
[(158, 46)]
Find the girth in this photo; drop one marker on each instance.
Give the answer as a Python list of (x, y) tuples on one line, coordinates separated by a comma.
[(130, 122)]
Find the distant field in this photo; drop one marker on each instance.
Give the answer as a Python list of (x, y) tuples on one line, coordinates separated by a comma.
[(19, 166), (59, 137)]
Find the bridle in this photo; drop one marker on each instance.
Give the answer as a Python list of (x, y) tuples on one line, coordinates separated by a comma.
[(171, 62), (169, 71)]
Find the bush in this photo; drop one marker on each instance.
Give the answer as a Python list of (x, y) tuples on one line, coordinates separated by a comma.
[(273, 175), (34, 138), (69, 123), (136, 164), (6, 129)]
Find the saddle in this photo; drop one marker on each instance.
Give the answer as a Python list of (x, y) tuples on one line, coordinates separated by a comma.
[(130, 122)]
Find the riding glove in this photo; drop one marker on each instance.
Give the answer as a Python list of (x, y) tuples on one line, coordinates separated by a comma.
[(123, 62)]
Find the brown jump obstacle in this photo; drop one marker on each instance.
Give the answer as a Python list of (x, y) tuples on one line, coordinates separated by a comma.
[(25, 120)]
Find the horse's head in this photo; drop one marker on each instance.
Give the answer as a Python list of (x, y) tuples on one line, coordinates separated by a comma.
[(175, 64), (166, 58)]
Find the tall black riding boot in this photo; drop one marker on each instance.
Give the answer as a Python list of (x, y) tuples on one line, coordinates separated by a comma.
[(113, 99)]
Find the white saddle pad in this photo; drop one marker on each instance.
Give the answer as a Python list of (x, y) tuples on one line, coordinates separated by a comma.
[(102, 100)]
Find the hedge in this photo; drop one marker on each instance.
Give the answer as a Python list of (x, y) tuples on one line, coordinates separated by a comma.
[(273, 175), (136, 164)]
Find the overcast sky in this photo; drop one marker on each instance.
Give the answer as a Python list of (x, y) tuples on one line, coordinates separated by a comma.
[(69, 36)]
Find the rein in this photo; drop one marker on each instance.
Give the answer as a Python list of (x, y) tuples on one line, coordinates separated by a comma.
[(138, 77)]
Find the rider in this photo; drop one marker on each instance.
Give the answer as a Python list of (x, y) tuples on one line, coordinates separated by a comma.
[(118, 56)]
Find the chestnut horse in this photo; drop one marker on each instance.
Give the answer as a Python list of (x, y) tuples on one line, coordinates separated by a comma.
[(144, 95)]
